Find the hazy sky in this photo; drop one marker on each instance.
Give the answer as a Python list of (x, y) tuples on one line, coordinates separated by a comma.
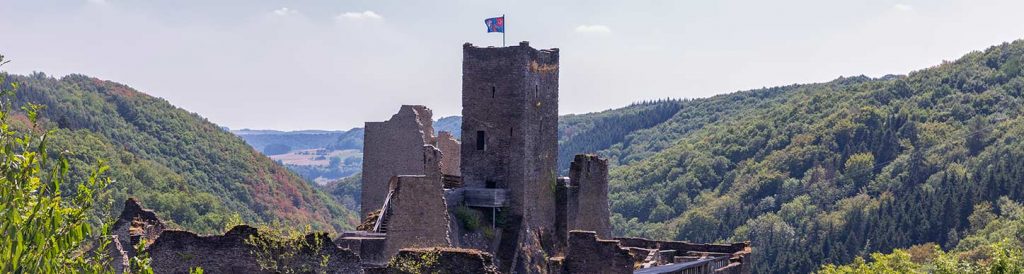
[(300, 64)]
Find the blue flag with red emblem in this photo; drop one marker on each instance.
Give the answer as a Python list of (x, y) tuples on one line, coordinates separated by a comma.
[(496, 24)]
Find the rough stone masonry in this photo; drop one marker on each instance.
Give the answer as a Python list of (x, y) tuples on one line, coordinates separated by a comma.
[(393, 147), (419, 217), (510, 137), (588, 207)]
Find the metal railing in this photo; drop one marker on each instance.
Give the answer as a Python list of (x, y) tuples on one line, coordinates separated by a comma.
[(383, 212)]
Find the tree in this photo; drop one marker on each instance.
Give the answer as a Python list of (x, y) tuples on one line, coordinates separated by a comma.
[(43, 230), (860, 169)]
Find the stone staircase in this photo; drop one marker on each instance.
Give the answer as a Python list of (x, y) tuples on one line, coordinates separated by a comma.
[(385, 214)]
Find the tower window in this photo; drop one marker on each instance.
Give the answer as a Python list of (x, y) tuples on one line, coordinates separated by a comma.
[(493, 90), (481, 140)]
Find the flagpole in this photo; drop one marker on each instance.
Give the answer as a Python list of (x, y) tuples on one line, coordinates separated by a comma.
[(503, 23)]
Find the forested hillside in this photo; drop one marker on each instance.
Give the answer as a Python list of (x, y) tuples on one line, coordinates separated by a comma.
[(825, 173), (451, 124), (994, 245), (188, 170)]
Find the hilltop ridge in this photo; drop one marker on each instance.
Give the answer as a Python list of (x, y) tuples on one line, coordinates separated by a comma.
[(188, 169)]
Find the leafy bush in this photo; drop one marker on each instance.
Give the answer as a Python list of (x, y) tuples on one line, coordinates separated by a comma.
[(281, 251), (469, 218), (42, 229)]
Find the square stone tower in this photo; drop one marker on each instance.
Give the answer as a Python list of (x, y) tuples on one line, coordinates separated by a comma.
[(510, 128)]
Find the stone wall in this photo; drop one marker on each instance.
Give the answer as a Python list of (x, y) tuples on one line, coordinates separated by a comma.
[(418, 216), (178, 251), (368, 245), (735, 248), (589, 254), (431, 158), (390, 148), (588, 197), (134, 225), (440, 260), (562, 192), (451, 152), (737, 252)]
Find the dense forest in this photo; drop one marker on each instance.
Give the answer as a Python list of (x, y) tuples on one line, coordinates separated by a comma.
[(994, 245), (190, 171), (822, 173)]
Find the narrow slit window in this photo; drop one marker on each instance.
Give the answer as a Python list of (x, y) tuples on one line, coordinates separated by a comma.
[(481, 140), (493, 90)]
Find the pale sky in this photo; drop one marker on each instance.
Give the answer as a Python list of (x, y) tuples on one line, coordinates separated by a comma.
[(298, 64)]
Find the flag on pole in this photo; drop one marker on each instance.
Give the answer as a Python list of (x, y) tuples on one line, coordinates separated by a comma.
[(496, 24)]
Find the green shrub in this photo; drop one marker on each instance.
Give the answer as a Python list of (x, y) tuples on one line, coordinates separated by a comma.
[(469, 218), (43, 230)]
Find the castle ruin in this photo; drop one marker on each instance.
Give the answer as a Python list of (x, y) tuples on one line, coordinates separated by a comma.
[(491, 202), (501, 192)]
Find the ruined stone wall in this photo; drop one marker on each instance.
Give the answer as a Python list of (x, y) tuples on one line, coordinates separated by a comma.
[(179, 251), (440, 260), (588, 203), (737, 258), (510, 99), (451, 152), (589, 254), (741, 248), (393, 147), (562, 192), (368, 245), (432, 158), (134, 225), (419, 217)]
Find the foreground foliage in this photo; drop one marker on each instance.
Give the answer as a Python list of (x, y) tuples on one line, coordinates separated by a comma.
[(285, 250), (42, 229)]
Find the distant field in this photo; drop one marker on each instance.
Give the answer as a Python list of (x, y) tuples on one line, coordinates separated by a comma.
[(314, 157)]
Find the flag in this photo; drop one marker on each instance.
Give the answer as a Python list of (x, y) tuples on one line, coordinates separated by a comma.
[(496, 24)]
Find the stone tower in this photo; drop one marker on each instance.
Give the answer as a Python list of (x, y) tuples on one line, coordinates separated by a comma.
[(510, 132)]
